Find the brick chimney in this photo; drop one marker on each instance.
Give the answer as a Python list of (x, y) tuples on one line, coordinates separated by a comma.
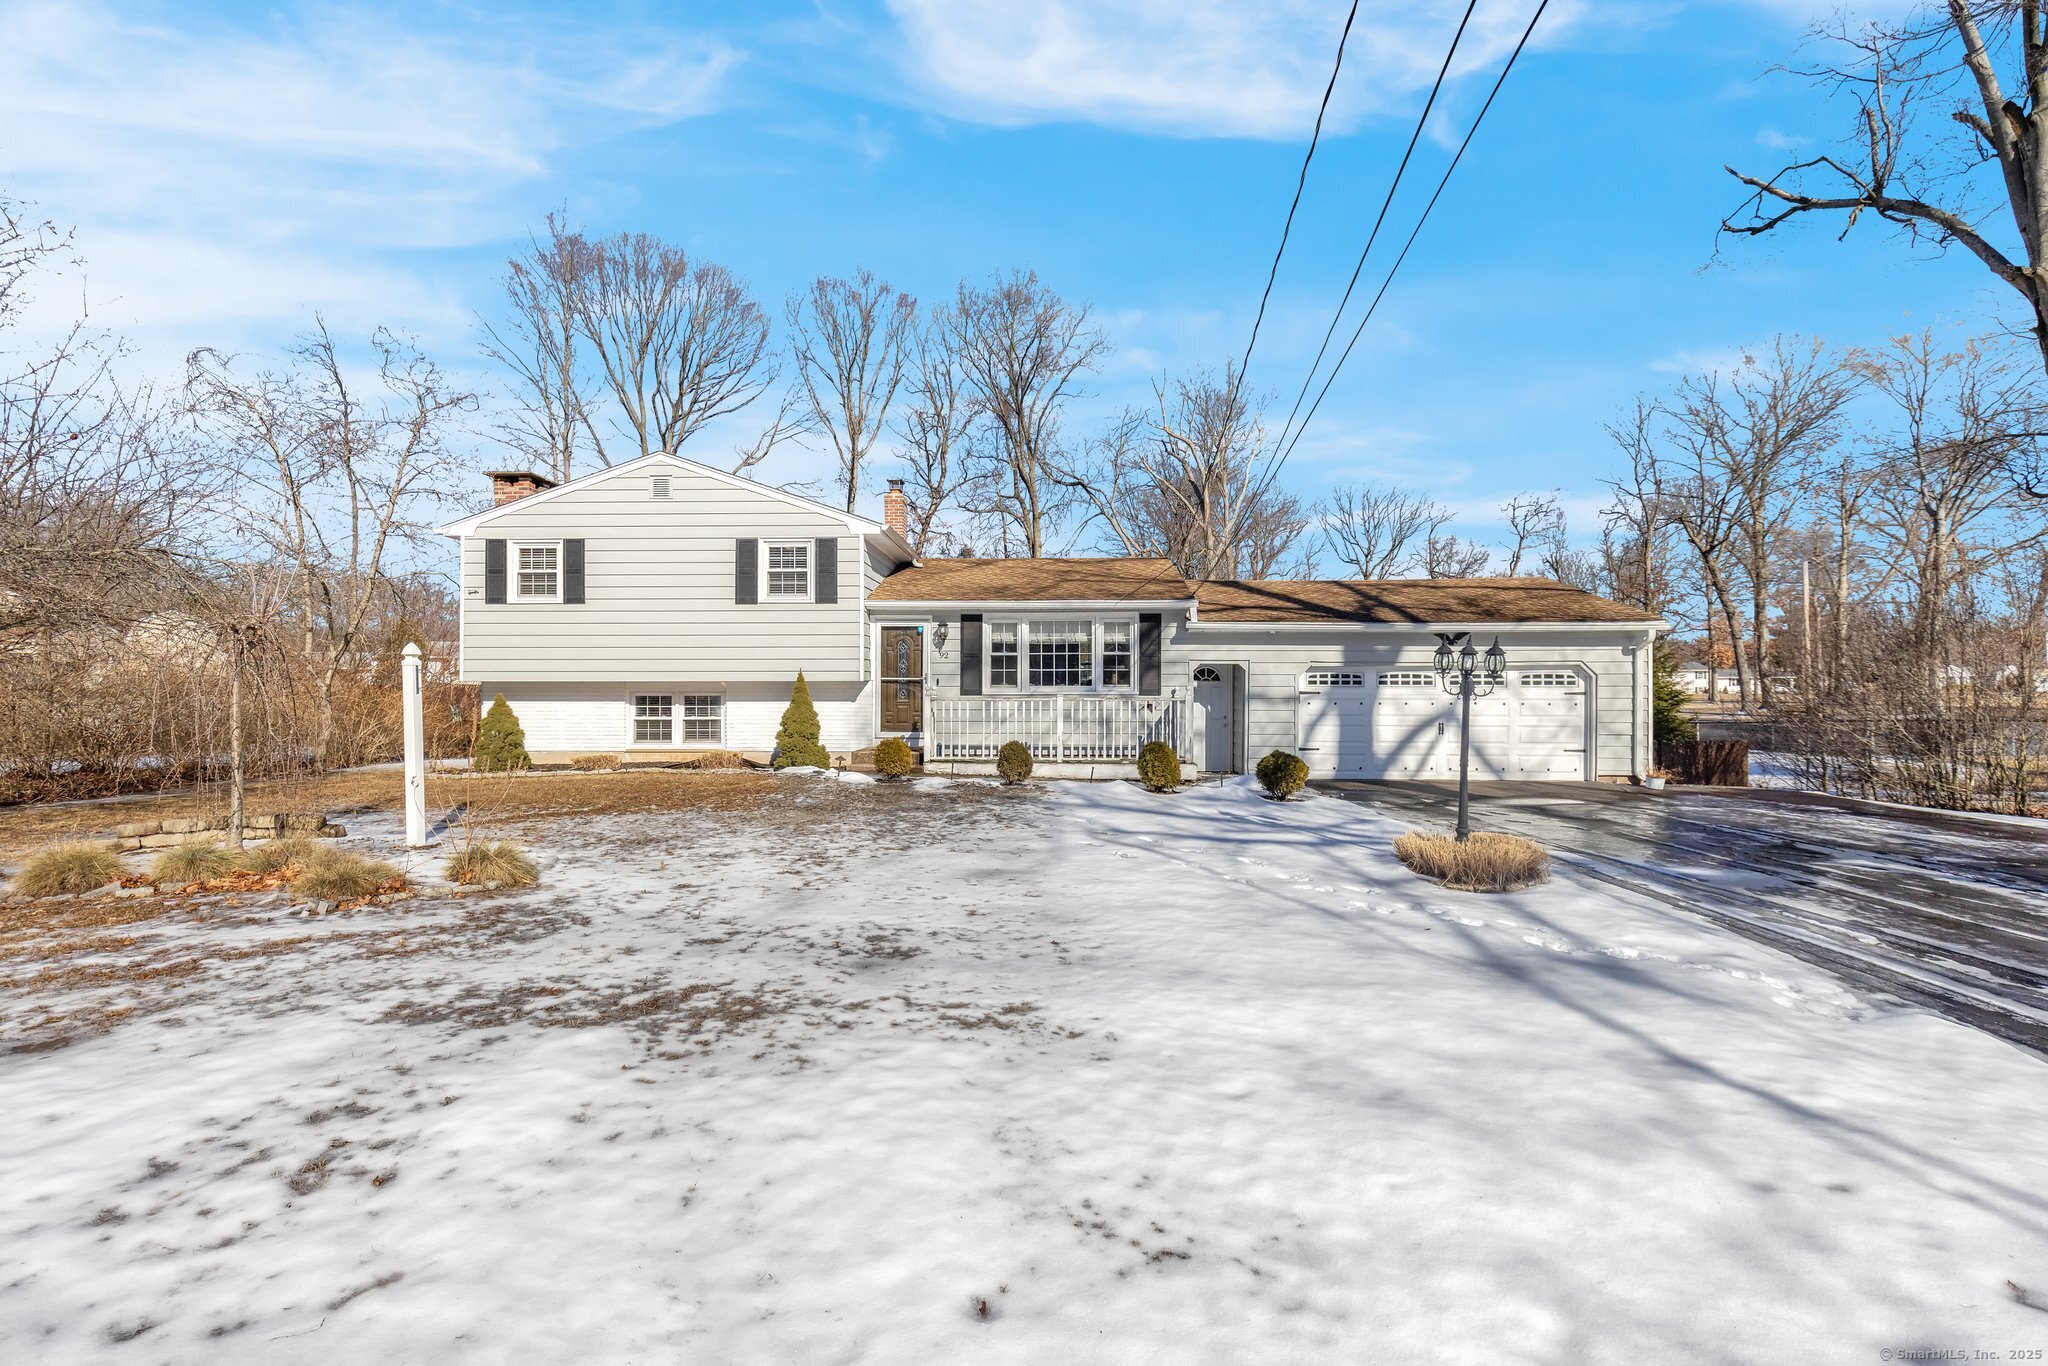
[(509, 486), (896, 509)]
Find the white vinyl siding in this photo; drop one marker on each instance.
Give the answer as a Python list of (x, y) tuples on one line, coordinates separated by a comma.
[(563, 720), (659, 601)]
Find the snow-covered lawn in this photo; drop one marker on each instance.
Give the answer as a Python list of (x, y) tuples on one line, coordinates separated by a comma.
[(1182, 1079)]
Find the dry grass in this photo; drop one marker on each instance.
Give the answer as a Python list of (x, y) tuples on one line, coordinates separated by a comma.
[(275, 856), (185, 863), (1485, 862), (340, 875), (721, 761), (24, 829), (492, 862), (594, 763), (67, 868)]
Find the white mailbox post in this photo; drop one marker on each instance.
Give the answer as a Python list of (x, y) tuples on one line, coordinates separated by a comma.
[(415, 750)]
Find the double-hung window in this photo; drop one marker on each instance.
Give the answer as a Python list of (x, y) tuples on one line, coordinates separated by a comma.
[(1116, 654), (654, 720), (1002, 654), (703, 718), (786, 571), (537, 575)]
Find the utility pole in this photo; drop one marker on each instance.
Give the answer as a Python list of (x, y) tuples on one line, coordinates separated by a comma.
[(1806, 626)]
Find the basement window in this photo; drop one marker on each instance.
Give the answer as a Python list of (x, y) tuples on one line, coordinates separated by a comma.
[(654, 719)]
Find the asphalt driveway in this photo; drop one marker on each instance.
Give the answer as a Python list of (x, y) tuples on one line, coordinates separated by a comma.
[(1946, 912)]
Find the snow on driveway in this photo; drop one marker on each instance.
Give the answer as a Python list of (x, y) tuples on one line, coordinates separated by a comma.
[(895, 1074)]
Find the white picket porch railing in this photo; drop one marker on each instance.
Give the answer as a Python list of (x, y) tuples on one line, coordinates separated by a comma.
[(1056, 727)]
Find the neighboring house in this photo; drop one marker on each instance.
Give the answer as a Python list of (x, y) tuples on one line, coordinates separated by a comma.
[(661, 606), (1693, 678)]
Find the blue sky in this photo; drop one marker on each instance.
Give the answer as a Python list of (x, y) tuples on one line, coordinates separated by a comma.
[(233, 168)]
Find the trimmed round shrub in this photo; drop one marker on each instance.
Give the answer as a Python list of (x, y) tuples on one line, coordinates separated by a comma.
[(66, 869), (893, 758), (797, 743), (1159, 766), (498, 862), (1013, 761), (1282, 774), (501, 740)]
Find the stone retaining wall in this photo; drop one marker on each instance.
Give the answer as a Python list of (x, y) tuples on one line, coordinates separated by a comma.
[(198, 830)]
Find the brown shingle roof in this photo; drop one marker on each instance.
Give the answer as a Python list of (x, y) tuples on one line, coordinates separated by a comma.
[(1411, 601), (1044, 580)]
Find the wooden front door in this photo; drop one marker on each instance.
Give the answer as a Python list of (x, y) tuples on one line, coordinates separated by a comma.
[(902, 677)]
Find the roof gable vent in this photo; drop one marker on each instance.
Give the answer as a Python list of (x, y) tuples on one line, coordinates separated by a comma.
[(660, 486)]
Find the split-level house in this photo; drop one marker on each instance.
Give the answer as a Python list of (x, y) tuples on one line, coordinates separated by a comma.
[(661, 606)]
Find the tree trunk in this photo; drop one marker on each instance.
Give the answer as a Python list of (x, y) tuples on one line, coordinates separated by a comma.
[(236, 788)]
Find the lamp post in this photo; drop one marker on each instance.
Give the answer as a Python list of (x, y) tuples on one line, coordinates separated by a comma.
[(1467, 674)]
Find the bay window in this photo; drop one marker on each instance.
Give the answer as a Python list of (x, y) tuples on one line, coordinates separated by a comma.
[(1070, 654)]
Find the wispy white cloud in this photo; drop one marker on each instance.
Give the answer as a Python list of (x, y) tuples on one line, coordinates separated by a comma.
[(1194, 67), (223, 173)]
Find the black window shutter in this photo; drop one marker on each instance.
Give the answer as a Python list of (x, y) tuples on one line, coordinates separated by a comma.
[(746, 572), (825, 570), (572, 571), (970, 654), (494, 571), (1148, 653)]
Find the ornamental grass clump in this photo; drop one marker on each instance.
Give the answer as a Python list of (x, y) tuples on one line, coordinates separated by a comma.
[(893, 758), (797, 743), (341, 875), (183, 863), (1158, 767), (1485, 862), (67, 869), (501, 740), (1282, 774), (275, 856), (1013, 762), (720, 761), (492, 863)]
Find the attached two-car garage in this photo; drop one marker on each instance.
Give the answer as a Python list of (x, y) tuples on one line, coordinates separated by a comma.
[(1401, 724)]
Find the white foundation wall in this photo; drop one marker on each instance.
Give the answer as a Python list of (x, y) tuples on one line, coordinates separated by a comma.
[(563, 720)]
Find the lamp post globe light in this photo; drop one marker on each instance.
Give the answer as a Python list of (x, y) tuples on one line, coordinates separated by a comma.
[(1466, 674)]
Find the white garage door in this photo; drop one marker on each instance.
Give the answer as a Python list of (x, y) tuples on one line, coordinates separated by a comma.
[(1400, 724), (1334, 722)]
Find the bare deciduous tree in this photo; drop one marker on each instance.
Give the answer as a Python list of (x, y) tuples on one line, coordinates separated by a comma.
[(539, 343), (1963, 416), (672, 342), (1447, 557), (1943, 62), (1185, 481), (1381, 533), (937, 430), (329, 479), (1022, 349), (847, 338), (1536, 521)]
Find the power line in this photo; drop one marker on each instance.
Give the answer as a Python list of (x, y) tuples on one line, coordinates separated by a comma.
[(1299, 184), (1386, 204), (1360, 330)]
